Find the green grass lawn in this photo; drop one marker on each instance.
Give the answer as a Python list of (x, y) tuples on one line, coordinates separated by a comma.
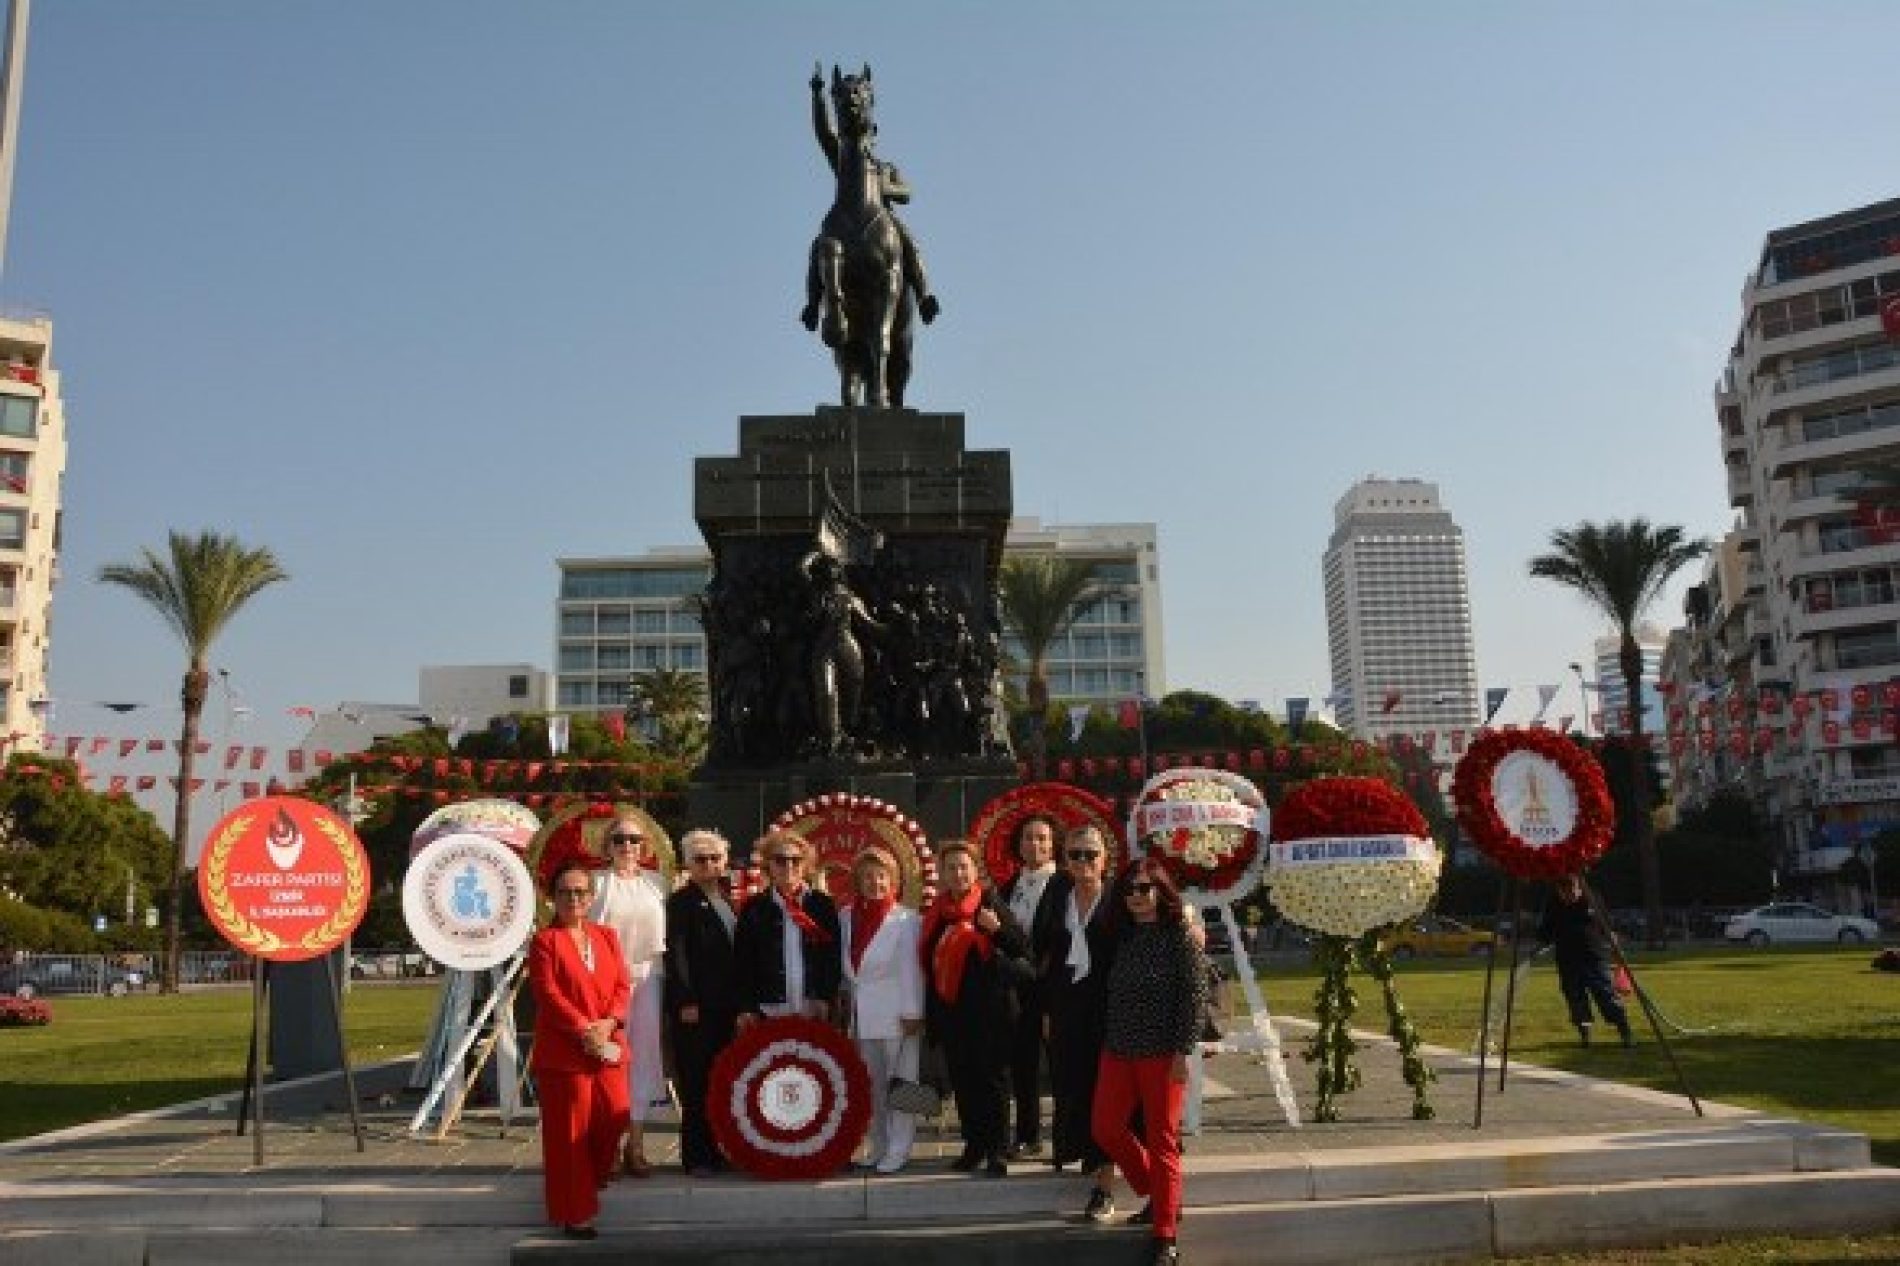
[(1813, 1033), (101, 1057)]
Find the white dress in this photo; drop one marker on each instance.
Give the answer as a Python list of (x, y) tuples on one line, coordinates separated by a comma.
[(636, 912)]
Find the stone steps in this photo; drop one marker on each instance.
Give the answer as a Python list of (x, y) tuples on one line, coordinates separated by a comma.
[(1412, 1202)]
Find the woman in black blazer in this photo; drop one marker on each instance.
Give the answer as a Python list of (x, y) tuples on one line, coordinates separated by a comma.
[(702, 988), (974, 954), (769, 983)]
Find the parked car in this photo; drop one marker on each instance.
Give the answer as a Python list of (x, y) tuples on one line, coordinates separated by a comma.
[(1788, 921), (1434, 934), (33, 978)]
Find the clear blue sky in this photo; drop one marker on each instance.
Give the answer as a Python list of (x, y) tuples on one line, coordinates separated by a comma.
[(423, 295)]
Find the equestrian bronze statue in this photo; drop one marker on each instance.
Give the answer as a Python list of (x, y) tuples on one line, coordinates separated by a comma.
[(865, 280)]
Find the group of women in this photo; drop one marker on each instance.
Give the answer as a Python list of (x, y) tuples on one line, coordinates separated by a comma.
[(1102, 979)]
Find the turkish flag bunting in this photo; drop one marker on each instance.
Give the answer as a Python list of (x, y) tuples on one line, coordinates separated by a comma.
[(117, 786), (293, 760), (126, 747), (258, 756), (232, 755), (146, 782), (1862, 696)]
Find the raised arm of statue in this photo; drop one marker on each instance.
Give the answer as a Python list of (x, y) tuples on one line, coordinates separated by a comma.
[(821, 118)]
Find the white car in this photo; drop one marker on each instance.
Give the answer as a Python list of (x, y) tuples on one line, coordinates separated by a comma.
[(1788, 921)]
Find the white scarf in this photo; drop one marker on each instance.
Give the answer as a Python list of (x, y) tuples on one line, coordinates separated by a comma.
[(1078, 920)]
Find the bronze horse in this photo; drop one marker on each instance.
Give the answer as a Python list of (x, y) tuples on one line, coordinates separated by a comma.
[(865, 280)]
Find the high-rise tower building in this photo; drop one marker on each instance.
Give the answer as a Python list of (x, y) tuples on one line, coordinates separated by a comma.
[(1398, 613), (1809, 413), (32, 462)]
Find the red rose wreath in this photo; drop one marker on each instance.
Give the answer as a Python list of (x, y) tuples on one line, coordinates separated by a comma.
[(1533, 802), (789, 1099), (994, 830)]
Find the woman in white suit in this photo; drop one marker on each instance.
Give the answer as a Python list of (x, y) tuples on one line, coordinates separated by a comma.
[(886, 981)]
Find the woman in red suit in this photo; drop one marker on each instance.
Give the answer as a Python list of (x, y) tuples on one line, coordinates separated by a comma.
[(580, 994)]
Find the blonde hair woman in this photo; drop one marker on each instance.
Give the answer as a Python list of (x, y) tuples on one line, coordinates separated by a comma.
[(887, 999), (628, 899)]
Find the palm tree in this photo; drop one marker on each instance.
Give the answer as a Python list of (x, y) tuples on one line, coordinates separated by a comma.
[(676, 701), (1041, 594), (1621, 568), (204, 582)]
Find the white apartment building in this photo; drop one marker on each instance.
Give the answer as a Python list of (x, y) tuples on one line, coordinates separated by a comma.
[(1809, 401), (469, 696), (32, 464), (1398, 613), (616, 617)]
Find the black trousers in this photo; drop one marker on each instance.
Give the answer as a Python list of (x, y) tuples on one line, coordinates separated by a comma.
[(695, 1046), (1075, 1055), (1584, 979), (1026, 1058), (978, 1063)]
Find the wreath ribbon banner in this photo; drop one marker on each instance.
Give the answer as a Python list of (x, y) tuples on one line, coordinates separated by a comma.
[(1353, 848), (1169, 814)]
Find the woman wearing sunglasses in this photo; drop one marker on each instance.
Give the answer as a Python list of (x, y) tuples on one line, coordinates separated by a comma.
[(701, 988), (1074, 940), (1157, 988), (628, 900), (580, 994), (786, 948)]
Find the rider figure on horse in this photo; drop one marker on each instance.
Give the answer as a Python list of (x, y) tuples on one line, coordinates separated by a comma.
[(821, 276)]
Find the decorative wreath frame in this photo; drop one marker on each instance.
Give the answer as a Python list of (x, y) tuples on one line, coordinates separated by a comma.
[(577, 831), (214, 888), (862, 821), (813, 1055), (994, 829), (1353, 894), (1237, 872), (1478, 815), (512, 824)]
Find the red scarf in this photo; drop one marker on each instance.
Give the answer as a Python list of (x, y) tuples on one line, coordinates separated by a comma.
[(866, 918), (808, 930), (951, 954)]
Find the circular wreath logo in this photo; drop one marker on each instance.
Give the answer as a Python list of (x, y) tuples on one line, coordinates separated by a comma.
[(789, 1099), (1533, 802), (468, 901), (284, 878)]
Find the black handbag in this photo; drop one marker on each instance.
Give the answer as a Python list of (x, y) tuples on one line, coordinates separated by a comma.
[(917, 1098)]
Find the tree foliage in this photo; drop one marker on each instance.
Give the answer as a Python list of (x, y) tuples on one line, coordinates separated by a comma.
[(197, 588), (67, 851), (1040, 599)]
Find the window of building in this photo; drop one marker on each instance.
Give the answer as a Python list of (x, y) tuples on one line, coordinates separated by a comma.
[(1862, 648), (613, 658), (613, 693), (577, 659), (19, 415), (12, 529), (689, 657), (615, 622), (649, 622), (15, 469), (518, 686), (647, 656), (577, 694), (577, 624), (633, 582)]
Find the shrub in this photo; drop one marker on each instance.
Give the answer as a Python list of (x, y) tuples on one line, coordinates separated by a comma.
[(19, 1013)]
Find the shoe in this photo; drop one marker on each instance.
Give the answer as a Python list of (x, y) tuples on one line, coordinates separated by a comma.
[(1629, 1038), (968, 1161), (888, 1166), (1023, 1151), (580, 1231), (701, 1171), (637, 1167), (1100, 1208), (996, 1167), (1144, 1216), (1167, 1253), (1583, 1034)]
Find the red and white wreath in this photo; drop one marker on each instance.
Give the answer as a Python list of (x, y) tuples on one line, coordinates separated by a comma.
[(994, 830), (1206, 826), (789, 1099), (1534, 802), (839, 825)]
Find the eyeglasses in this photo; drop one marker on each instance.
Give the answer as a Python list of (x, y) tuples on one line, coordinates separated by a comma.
[(622, 837), (785, 859), (1083, 854), (1141, 890), (574, 894), (707, 859)]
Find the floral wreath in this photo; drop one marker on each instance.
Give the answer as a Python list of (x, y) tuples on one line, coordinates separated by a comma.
[(1206, 827), (1350, 855), (789, 1099), (994, 830), (502, 820), (838, 825), (1553, 851), (575, 834), (214, 890)]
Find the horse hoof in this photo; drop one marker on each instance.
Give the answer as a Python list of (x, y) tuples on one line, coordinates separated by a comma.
[(809, 317)]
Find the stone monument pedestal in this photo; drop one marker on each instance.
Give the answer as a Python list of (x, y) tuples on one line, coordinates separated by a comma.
[(852, 626)]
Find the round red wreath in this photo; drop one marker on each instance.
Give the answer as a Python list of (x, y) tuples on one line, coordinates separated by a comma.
[(1238, 872), (994, 829), (793, 1057), (1478, 815), (839, 824)]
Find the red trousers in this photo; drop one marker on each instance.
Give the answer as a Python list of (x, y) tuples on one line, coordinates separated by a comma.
[(583, 1116), (1152, 1164)]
